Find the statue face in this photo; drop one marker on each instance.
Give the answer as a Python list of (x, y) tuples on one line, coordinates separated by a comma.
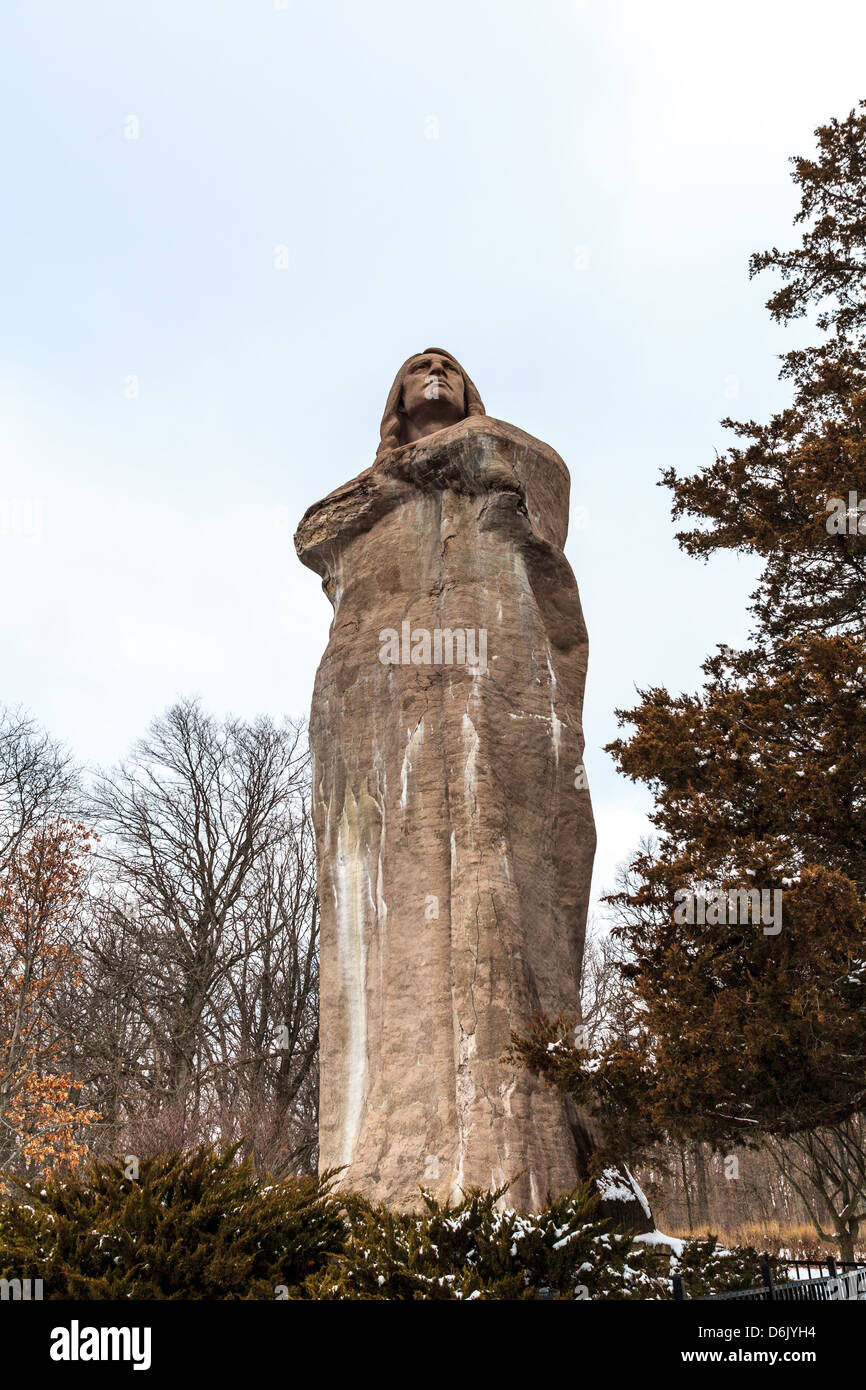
[(434, 395)]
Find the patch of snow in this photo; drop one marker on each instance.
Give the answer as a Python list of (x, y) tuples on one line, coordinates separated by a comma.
[(659, 1238), (638, 1193)]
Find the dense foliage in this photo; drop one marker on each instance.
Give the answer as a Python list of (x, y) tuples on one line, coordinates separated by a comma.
[(200, 1226), (750, 1026), (204, 1227)]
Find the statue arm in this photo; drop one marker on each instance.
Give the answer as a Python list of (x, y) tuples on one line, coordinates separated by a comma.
[(346, 512), (525, 485)]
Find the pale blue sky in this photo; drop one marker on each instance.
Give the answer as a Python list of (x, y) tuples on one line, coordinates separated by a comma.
[(577, 234)]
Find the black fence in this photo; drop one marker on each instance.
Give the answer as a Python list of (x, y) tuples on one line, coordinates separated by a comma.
[(821, 1269), (840, 1283)]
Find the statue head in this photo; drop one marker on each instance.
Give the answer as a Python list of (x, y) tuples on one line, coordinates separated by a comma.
[(431, 391)]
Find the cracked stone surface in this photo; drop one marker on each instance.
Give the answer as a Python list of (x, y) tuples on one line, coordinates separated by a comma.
[(454, 849)]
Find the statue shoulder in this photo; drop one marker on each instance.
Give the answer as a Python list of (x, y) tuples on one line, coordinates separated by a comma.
[(503, 430)]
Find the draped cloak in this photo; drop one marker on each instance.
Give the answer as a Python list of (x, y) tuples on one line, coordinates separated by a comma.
[(454, 830)]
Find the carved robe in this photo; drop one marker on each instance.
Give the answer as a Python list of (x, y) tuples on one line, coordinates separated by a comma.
[(454, 830)]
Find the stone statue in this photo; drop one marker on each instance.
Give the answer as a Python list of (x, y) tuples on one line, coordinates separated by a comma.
[(454, 829)]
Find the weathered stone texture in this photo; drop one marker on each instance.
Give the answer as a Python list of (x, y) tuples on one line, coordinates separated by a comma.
[(455, 850)]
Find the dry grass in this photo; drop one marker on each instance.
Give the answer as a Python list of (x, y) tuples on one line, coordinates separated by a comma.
[(797, 1242)]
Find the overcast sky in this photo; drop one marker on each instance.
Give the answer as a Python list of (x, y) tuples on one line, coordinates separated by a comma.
[(225, 223)]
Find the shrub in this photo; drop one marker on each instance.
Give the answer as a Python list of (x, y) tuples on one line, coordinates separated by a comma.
[(194, 1226), (476, 1250), (202, 1226)]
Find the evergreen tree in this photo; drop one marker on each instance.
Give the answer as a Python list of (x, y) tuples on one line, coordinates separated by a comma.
[(750, 1024)]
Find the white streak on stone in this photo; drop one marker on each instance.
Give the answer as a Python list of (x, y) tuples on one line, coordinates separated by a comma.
[(381, 905), (505, 1094), (414, 744), (471, 743), (555, 725), (337, 580), (351, 888), (533, 1192), (465, 1099), (520, 571)]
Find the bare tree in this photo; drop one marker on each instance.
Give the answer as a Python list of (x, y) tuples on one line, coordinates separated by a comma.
[(37, 780), (606, 1007), (202, 976), (41, 877), (827, 1169)]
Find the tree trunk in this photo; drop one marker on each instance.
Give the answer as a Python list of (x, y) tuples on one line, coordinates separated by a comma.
[(686, 1192), (702, 1195)]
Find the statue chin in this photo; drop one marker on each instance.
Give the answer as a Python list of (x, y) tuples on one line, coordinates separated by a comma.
[(420, 426)]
